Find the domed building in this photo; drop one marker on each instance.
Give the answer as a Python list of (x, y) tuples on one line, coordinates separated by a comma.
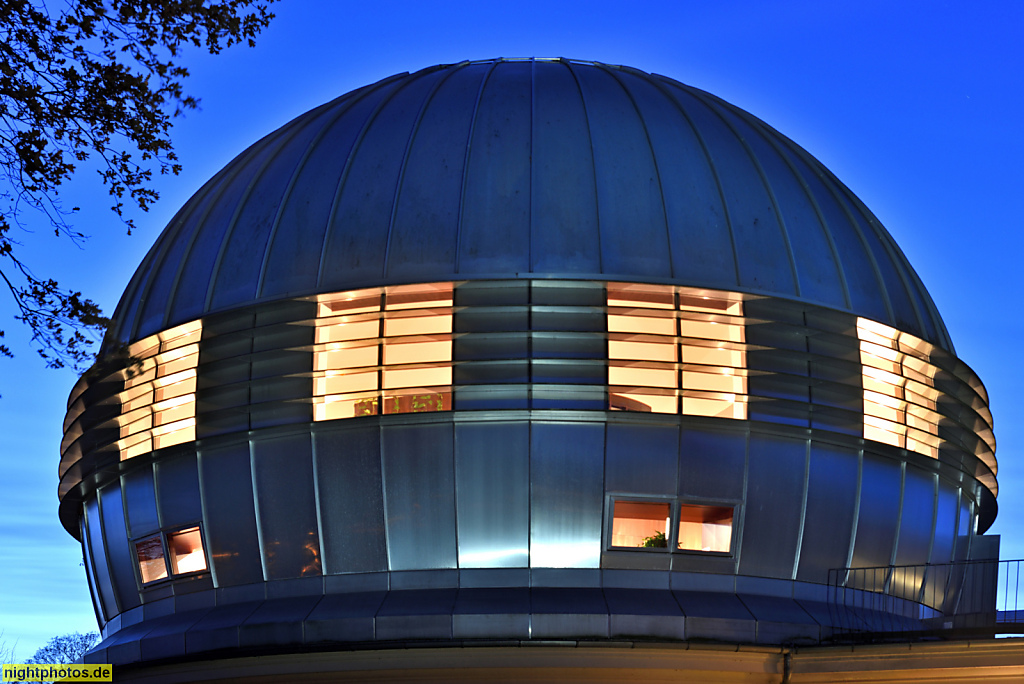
[(515, 353)]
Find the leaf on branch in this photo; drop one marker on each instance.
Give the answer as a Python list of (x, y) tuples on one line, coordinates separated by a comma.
[(85, 80)]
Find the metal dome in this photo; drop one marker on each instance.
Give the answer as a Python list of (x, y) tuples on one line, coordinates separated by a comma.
[(524, 168), (506, 352)]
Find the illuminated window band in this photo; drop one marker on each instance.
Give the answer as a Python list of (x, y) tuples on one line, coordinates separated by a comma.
[(532, 344), (673, 350), (158, 403), (383, 352), (900, 394)]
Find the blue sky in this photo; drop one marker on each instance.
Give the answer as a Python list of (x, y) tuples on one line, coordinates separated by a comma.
[(915, 106)]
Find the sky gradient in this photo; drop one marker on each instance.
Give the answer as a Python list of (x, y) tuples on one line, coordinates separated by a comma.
[(915, 106)]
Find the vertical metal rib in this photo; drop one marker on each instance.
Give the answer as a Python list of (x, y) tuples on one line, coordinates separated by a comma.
[(465, 162), (593, 162), (405, 160), (705, 99), (654, 158), (356, 145), (663, 85), (342, 104)]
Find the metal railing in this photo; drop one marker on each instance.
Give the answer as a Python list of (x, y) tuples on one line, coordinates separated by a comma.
[(948, 600)]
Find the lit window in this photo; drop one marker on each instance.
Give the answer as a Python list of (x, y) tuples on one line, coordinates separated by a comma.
[(638, 524), (186, 551), (184, 554), (383, 351), (158, 403), (653, 360), (152, 565), (899, 389), (705, 528)]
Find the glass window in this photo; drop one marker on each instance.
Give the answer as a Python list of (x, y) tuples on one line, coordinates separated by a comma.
[(152, 565), (641, 524), (705, 528), (185, 548), (395, 356), (646, 347), (158, 403), (184, 554)]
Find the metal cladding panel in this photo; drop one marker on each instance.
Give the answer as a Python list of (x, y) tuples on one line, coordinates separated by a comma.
[(492, 613), (240, 264), (197, 271), (418, 602), (423, 236), (700, 243), (866, 293), (631, 211), (90, 573), (712, 464), (774, 502), (293, 259), (642, 459), (901, 313), (942, 581), (776, 609), (707, 604), (346, 617), (177, 482), (351, 499), (945, 525), (500, 168), (94, 539), (567, 493), (817, 272), (762, 247), (879, 512), (115, 539), (904, 314), (416, 615), (166, 639), (495, 224), (419, 496), (564, 232), (917, 518), (357, 242), (493, 601), (176, 237), (492, 480), (831, 506), (230, 515), (922, 302), (622, 601), (140, 502), (277, 622), (964, 530), (283, 470), (219, 627)]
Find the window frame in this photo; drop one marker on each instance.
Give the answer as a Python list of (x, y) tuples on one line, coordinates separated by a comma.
[(675, 504), (164, 536)]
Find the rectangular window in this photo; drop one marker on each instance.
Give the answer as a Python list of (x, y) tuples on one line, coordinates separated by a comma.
[(152, 565), (705, 528), (390, 354), (641, 524), (899, 389), (649, 524), (185, 548), (673, 350), (158, 403), (184, 554)]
